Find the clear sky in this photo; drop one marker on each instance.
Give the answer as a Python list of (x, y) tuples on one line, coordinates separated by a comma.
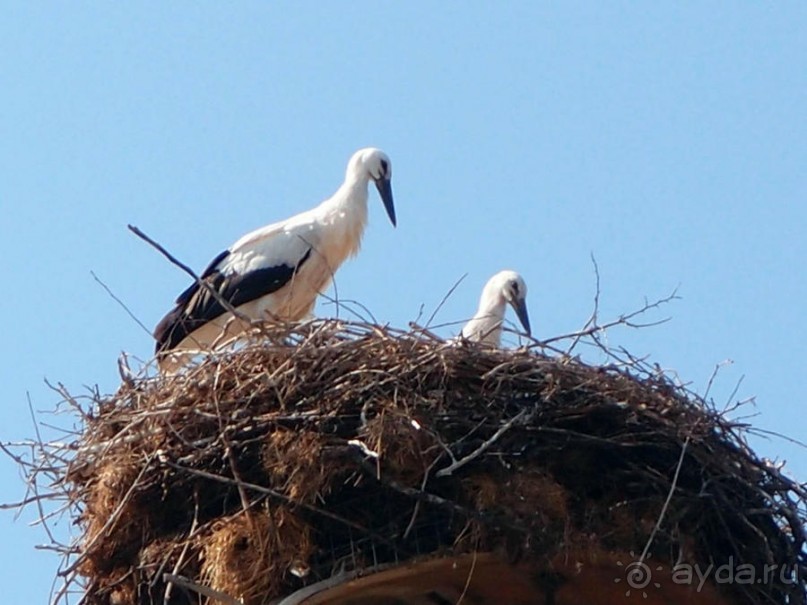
[(668, 140)]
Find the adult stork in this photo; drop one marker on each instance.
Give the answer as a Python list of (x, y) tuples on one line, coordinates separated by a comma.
[(506, 287), (277, 271)]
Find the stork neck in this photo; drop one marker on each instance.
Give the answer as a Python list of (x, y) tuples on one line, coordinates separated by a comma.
[(346, 213), (486, 325), (350, 200), (356, 180), (493, 307)]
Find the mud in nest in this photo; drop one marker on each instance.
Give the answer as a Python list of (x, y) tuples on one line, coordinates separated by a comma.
[(334, 447)]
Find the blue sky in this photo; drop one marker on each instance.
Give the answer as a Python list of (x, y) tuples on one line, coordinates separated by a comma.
[(668, 140)]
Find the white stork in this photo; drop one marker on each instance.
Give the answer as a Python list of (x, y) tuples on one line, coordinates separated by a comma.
[(276, 271), (506, 287)]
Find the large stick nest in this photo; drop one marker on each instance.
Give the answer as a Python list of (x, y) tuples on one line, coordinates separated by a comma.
[(333, 447)]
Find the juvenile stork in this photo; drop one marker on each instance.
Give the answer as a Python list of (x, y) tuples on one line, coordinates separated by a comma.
[(277, 271), (506, 287)]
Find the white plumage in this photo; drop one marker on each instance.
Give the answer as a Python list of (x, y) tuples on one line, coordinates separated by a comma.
[(506, 287), (276, 271)]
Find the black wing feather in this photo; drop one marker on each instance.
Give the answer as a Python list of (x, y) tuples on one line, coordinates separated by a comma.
[(212, 268), (196, 306)]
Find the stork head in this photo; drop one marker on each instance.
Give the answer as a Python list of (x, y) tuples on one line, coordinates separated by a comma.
[(372, 163), (510, 286)]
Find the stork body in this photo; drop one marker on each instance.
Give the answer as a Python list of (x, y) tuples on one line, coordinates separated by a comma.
[(504, 288), (277, 271)]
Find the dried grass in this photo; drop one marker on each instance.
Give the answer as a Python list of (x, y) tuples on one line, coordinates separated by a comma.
[(242, 552)]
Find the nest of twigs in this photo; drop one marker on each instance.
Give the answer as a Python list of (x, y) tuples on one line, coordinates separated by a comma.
[(333, 447)]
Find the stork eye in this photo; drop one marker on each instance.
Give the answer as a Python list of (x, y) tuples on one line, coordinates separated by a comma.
[(515, 288), (384, 167)]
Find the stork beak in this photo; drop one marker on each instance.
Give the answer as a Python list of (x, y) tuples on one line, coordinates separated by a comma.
[(520, 307), (385, 191)]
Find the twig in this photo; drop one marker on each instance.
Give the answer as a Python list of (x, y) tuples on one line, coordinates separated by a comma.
[(767, 433), (592, 320), (423, 484), (345, 303), (22, 503), (201, 283), (622, 320), (44, 454), (185, 583), (666, 501), (181, 559), (468, 579), (121, 303), (713, 375), (445, 298), (445, 472)]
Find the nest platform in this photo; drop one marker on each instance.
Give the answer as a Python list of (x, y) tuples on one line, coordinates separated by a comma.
[(339, 463)]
